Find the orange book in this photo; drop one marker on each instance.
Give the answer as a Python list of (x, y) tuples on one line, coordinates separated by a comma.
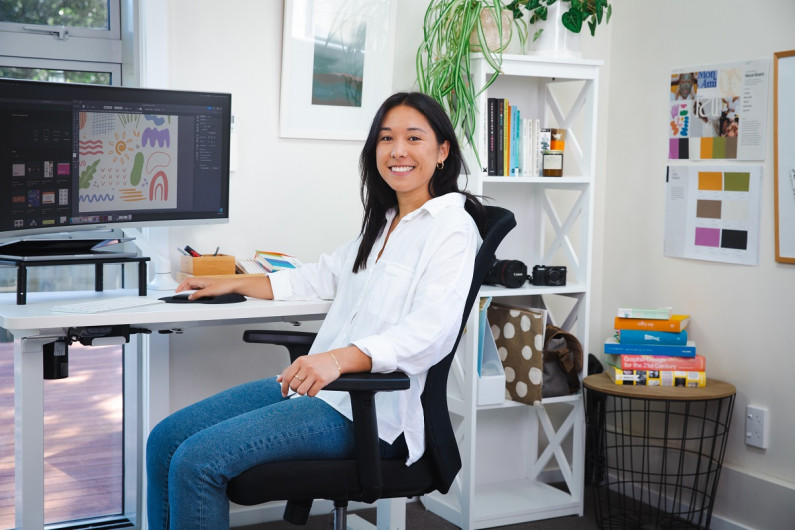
[(675, 324)]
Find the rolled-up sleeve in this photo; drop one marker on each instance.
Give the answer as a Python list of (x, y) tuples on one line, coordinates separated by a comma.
[(313, 281)]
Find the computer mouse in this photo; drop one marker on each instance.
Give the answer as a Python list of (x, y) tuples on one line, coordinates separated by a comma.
[(228, 298)]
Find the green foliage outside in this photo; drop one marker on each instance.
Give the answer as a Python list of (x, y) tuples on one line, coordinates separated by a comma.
[(60, 76), (74, 13)]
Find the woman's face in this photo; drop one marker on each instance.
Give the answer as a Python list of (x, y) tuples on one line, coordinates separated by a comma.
[(685, 84), (407, 153)]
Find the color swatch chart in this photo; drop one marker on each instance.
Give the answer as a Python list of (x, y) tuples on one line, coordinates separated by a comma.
[(713, 213)]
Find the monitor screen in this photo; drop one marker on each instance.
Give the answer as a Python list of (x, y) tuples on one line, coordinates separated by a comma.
[(86, 156)]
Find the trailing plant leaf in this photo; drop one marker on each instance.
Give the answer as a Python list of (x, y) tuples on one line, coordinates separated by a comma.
[(443, 58)]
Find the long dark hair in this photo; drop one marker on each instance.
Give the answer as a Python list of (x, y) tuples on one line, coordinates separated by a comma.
[(378, 197)]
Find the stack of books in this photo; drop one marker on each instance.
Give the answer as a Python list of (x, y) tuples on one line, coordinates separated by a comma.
[(275, 261), (266, 262), (651, 347)]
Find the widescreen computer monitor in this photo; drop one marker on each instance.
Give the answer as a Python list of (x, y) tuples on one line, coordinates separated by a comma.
[(76, 157)]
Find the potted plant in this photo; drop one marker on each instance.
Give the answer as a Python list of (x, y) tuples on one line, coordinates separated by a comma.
[(452, 30), (592, 12)]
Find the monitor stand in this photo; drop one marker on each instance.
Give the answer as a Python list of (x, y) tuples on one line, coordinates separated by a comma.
[(153, 242)]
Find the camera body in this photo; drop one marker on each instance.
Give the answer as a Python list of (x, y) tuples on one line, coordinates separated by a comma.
[(549, 275), (507, 272)]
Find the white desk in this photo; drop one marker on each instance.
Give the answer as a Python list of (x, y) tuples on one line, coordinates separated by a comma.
[(34, 325)]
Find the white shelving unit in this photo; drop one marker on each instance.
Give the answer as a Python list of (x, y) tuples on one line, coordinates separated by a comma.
[(524, 463)]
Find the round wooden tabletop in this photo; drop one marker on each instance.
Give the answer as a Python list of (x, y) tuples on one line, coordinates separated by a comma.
[(715, 389)]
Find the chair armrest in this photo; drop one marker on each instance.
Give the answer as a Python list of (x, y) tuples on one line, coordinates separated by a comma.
[(368, 381), (299, 342), (296, 342)]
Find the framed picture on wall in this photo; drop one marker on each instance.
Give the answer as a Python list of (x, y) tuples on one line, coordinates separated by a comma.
[(784, 154), (336, 66)]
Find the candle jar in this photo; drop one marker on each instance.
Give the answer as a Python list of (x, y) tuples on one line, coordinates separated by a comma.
[(552, 163)]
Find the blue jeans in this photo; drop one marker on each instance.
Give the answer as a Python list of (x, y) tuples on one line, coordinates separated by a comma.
[(192, 454)]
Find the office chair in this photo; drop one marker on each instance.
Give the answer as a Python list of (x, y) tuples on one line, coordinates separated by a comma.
[(368, 478)]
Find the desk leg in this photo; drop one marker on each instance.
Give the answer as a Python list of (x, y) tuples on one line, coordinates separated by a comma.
[(154, 399), (29, 433)]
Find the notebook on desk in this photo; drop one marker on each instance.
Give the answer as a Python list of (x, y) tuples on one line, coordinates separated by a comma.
[(33, 249)]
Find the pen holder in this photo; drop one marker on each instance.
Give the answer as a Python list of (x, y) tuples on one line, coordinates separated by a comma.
[(207, 265)]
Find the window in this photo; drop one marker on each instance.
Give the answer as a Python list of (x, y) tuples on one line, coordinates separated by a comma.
[(63, 29), (72, 41)]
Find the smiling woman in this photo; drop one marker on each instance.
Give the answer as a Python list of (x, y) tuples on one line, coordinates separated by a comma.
[(395, 289)]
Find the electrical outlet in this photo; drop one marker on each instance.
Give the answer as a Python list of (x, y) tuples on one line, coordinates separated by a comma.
[(756, 426)]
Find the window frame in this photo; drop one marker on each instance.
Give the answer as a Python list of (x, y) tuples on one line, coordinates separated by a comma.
[(42, 42)]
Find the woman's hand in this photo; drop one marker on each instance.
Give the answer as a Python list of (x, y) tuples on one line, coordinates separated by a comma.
[(309, 374), (205, 287), (255, 286)]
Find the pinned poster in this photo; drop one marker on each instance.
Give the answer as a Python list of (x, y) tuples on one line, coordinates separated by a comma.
[(713, 213), (719, 112)]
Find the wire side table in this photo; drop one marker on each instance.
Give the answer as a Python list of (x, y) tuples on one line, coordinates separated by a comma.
[(656, 452)]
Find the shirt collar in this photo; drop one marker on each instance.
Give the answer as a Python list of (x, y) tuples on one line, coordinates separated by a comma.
[(433, 206)]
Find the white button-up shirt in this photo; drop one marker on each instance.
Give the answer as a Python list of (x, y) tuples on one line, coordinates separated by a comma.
[(403, 310)]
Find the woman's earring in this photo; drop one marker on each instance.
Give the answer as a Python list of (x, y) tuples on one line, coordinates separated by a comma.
[(440, 165)]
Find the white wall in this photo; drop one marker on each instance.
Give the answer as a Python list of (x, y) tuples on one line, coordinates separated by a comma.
[(741, 315), (301, 197)]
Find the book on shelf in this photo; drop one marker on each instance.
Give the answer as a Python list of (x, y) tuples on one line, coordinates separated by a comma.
[(500, 154), (668, 378), (658, 362), (528, 163), (506, 141), (660, 313), (535, 169), (638, 336), (671, 350), (491, 142), (516, 140), (675, 324)]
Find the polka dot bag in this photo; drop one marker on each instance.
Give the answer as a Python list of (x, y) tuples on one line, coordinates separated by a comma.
[(519, 336)]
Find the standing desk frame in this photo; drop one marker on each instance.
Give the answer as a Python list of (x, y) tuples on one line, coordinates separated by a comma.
[(33, 325)]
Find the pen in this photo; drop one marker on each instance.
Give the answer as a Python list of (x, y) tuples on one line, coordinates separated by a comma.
[(191, 251)]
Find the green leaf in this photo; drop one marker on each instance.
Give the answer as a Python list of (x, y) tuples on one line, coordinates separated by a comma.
[(572, 20)]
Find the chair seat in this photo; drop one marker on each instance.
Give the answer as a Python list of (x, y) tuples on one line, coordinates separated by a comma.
[(337, 480)]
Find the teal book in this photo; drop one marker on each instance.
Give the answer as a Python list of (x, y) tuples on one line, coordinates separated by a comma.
[(671, 350), (636, 336)]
